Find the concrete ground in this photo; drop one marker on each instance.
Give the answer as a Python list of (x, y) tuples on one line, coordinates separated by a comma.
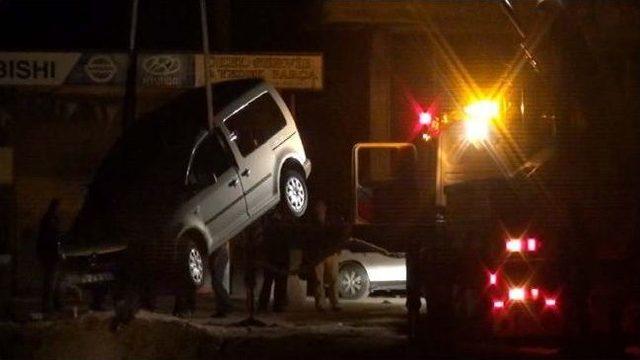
[(371, 328)]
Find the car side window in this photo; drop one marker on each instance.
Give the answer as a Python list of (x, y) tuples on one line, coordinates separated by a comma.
[(210, 161), (256, 123)]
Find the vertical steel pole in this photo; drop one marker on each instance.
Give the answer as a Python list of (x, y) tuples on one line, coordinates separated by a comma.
[(205, 48), (130, 91)]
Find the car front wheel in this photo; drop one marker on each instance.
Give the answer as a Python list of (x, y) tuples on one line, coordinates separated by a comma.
[(293, 189), (353, 281), (193, 263)]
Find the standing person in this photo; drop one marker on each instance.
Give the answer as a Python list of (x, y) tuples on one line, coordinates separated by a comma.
[(326, 271), (276, 250), (47, 251), (219, 261)]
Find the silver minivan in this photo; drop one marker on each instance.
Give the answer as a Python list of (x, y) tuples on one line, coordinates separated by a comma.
[(174, 189)]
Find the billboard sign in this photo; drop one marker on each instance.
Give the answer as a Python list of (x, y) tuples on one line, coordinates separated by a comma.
[(284, 71), (99, 69), (166, 70), (36, 68)]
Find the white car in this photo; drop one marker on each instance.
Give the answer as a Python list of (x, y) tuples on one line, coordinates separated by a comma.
[(363, 270)]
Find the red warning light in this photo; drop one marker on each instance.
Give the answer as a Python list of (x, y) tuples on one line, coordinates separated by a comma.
[(493, 279), (425, 118), (514, 245), (535, 293)]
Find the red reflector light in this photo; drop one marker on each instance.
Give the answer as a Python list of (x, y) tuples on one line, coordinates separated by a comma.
[(493, 279), (514, 245), (498, 304), (516, 294), (550, 302), (535, 293), (532, 244)]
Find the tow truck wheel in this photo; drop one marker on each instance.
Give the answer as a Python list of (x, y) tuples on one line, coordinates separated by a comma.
[(293, 190), (353, 281)]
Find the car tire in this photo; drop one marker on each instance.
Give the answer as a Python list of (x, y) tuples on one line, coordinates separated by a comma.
[(294, 193), (192, 264), (353, 281)]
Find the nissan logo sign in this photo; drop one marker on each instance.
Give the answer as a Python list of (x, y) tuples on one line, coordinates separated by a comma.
[(100, 69), (161, 65)]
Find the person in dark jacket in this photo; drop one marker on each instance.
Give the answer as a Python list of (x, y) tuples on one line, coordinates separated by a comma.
[(325, 272), (47, 252), (218, 264), (275, 270)]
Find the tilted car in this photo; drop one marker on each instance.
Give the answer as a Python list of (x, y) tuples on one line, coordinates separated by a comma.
[(172, 190)]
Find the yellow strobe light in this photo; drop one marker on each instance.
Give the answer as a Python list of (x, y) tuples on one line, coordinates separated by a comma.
[(478, 119)]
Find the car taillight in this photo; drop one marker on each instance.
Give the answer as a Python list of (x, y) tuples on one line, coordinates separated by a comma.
[(514, 245), (516, 294), (550, 302), (498, 304), (493, 279), (532, 244), (535, 293)]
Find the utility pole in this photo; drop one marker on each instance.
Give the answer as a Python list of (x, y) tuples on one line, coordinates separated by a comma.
[(131, 87), (205, 49)]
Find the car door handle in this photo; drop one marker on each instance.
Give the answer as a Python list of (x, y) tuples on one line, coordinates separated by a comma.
[(246, 172), (234, 182)]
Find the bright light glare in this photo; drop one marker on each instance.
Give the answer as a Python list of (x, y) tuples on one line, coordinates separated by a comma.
[(514, 245), (516, 294), (493, 279), (498, 304), (425, 118), (550, 302), (476, 129), (478, 117), (532, 244), (484, 109)]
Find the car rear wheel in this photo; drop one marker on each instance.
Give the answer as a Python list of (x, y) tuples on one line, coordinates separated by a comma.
[(294, 193), (353, 281)]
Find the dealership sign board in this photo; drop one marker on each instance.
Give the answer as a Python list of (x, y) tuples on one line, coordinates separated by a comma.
[(166, 70), (55, 69), (284, 71)]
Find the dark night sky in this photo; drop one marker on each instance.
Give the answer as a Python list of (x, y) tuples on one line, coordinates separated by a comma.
[(164, 24)]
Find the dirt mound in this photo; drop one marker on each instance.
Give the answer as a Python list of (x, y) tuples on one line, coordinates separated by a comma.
[(88, 337), (157, 336)]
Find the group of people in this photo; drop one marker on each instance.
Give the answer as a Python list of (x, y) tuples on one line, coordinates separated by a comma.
[(271, 245), (316, 258), (318, 242)]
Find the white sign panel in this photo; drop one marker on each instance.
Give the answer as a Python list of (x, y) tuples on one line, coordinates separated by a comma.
[(36, 68), (282, 71)]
